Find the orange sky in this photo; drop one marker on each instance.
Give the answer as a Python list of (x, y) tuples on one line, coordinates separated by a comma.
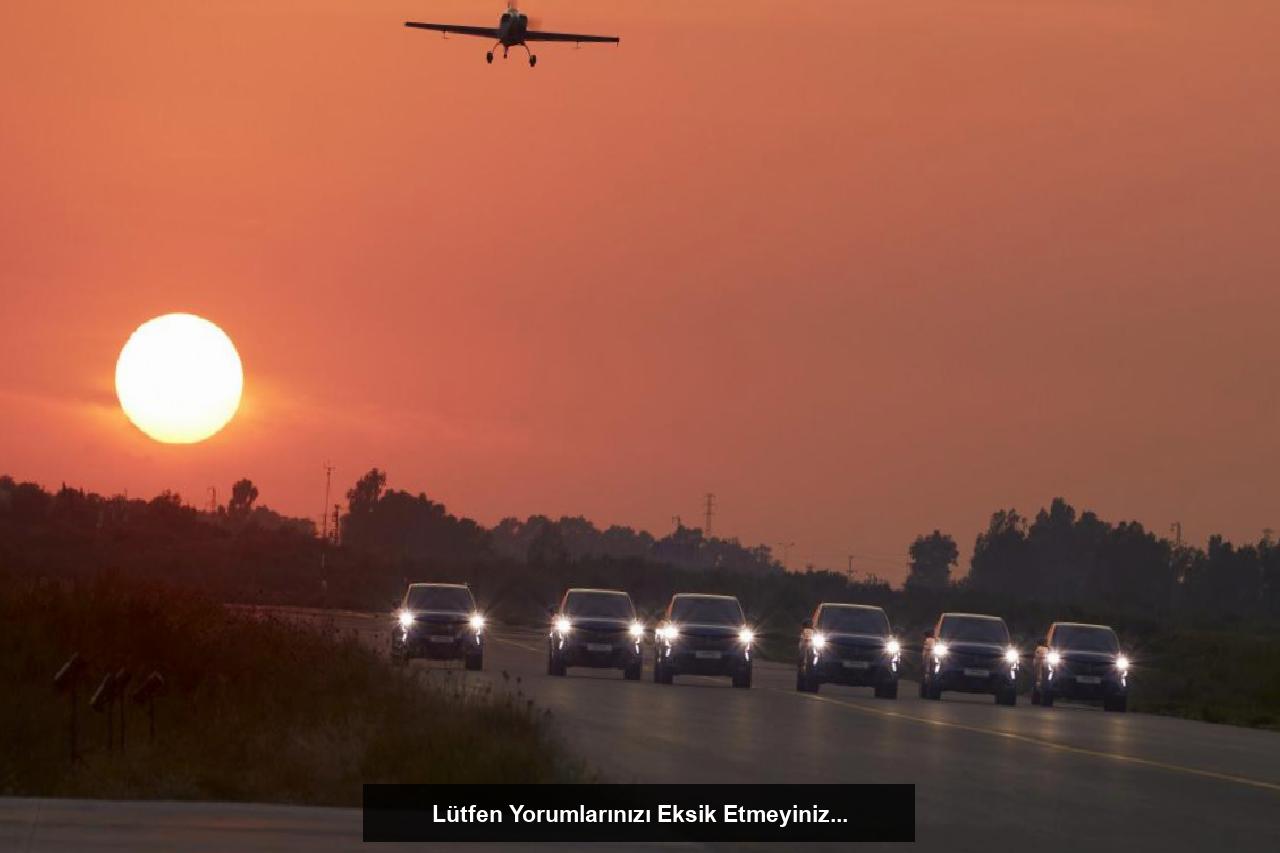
[(861, 268)]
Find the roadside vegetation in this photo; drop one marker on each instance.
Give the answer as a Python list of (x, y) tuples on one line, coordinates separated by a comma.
[(1214, 676), (254, 709)]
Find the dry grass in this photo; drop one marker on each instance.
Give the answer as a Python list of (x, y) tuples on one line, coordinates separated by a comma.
[(256, 709)]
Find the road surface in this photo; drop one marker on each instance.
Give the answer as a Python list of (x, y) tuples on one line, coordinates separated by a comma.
[(1065, 778)]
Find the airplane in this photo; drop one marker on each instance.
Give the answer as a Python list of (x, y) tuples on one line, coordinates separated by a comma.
[(512, 31)]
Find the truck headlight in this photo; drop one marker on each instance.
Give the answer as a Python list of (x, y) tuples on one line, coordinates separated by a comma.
[(1122, 664), (893, 647), (668, 633), (563, 625), (746, 635), (1011, 656), (819, 641), (406, 619), (477, 622), (637, 630), (940, 650)]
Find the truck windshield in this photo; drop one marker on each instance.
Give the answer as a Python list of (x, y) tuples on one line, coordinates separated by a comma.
[(967, 629), (452, 599), (701, 610), (853, 620), (599, 605), (1081, 638)]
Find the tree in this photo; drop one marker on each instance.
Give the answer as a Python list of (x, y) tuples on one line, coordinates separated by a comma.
[(362, 497), (243, 494), (1001, 555), (932, 557), (547, 548)]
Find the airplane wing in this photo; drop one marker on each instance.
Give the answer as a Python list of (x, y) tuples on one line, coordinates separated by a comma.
[(535, 35), (483, 32)]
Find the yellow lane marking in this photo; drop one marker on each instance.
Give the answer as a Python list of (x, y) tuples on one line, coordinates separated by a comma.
[(1048, 744)]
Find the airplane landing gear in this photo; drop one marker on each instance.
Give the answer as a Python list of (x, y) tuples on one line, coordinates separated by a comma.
[(488, 57), (533, 60)]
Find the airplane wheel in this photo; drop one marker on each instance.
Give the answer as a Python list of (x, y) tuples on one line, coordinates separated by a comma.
[(488, 57), (533, 60)]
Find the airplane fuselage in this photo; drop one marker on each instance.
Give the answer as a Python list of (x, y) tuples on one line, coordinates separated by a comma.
[(511, 28)]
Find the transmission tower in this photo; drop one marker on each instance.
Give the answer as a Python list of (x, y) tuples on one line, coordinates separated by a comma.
[(324, 514), (711, 508)]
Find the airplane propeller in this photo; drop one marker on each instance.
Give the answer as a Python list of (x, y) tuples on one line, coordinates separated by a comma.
[(534, 23)]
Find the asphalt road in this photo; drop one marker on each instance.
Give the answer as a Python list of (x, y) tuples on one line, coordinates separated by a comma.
[(1069, 777)]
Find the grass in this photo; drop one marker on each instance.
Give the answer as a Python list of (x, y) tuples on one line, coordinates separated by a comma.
[(256, 709), (1215, 676)]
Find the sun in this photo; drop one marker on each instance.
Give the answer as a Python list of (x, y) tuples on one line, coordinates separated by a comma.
[(179, 378)]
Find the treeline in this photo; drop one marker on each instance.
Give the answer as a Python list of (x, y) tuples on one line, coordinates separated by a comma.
[(401, 525), (1078, 561), (1062, 563)]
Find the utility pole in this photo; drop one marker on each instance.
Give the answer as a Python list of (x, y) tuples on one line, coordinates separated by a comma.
[(213, 500), (324, 515), (1176, 530), (711, 507), (849, 569), (337, 539)]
